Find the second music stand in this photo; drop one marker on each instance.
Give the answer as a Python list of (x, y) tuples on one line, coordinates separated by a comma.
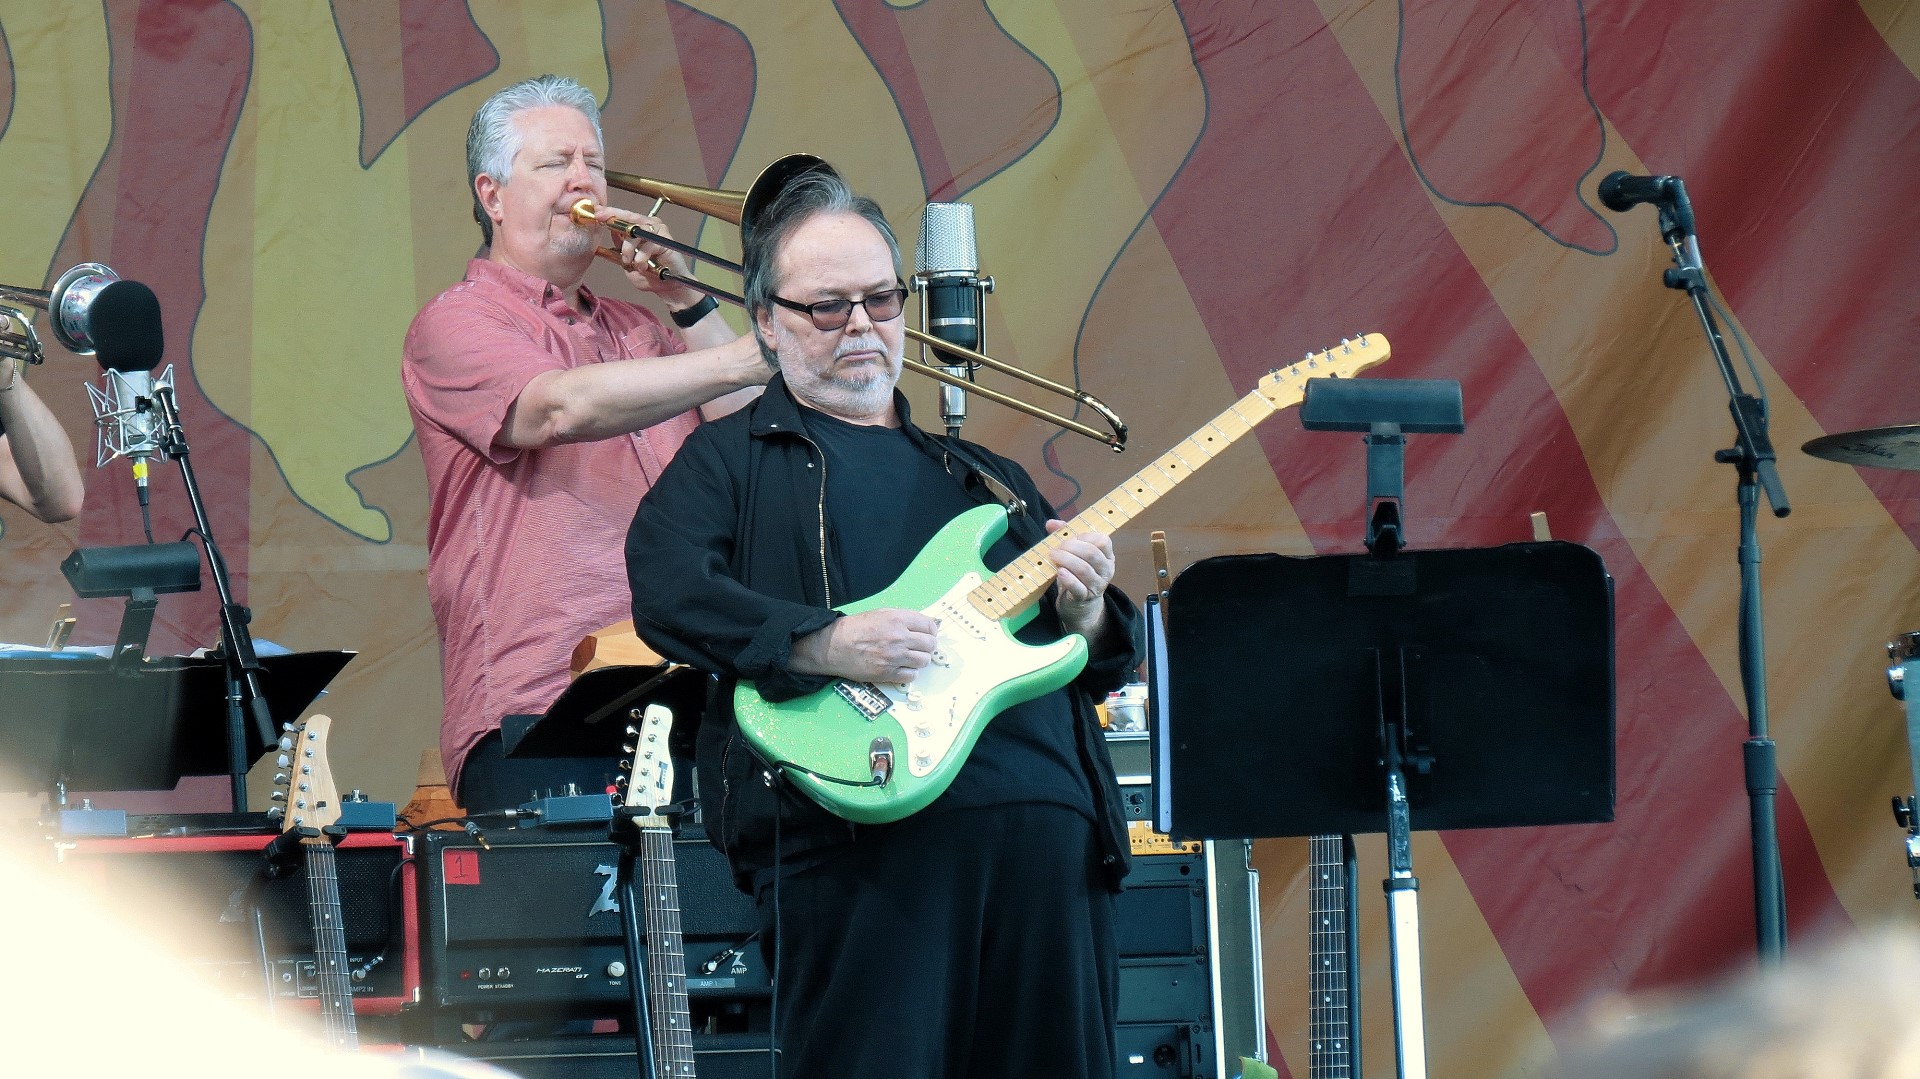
[(1430, 690)]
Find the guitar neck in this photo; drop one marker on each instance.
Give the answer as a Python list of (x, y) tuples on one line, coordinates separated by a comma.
[(1026, 578), (1329, 1018), (666, 957), (330, 944)]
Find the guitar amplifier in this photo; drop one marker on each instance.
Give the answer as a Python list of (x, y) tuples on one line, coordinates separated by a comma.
[(532, 924), (209, 883), (1187, 926)]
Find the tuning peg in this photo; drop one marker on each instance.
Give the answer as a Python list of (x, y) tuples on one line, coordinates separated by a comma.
[(627, 747), (280, 779), (283, 761), (625, 765), (275, 813), (286, 743), (279, 796)]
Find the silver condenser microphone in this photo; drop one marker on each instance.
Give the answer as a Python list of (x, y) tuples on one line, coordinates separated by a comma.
[(947, 275)]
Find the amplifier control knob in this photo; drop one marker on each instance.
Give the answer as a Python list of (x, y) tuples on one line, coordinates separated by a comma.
[(616, 969)]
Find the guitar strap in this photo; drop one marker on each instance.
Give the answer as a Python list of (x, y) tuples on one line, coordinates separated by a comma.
[(998, 488)]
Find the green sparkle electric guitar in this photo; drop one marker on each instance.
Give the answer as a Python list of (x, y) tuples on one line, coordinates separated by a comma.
[(872, 752)]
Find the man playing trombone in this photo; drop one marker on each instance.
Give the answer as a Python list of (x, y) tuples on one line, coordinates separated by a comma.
[(974, 937), (544, 411)]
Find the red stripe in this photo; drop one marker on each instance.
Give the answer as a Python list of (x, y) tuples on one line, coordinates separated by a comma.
[(1286, 248), (716, 63), (177, 92), (877, 28), (441, 50)]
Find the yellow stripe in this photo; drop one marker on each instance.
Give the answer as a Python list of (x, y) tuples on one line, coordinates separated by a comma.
[(60, 123)]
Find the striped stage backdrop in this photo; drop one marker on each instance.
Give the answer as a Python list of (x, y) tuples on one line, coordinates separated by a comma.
[(1174, 198)]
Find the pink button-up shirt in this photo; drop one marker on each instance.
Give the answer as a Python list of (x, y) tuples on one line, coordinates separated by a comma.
[(524, 547)]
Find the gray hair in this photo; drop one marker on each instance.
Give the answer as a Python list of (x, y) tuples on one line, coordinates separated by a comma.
[(493, 138), (811, 193)]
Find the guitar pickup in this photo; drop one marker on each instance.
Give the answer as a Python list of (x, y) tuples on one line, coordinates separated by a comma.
[(865, 697), (880, 761)]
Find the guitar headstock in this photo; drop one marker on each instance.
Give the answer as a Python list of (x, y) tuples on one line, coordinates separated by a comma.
[(649, 783), (304, 793), (1285, 388)]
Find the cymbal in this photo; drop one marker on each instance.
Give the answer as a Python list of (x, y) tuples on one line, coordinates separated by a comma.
[(1876, 447)]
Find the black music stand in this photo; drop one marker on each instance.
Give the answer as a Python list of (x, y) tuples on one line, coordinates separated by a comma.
[(1428, 690), (590, 717), (80, 723)]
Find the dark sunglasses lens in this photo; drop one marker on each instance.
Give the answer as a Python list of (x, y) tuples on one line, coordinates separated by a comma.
[(882, 306), (830, 314)]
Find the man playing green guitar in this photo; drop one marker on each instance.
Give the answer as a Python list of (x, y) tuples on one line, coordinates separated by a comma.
[(969, 932)]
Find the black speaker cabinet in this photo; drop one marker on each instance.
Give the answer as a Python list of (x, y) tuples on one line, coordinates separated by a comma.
[(531, 924), (1191, 1003)]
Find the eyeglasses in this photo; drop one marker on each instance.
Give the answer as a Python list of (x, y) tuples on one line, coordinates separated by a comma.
[(833, 314)]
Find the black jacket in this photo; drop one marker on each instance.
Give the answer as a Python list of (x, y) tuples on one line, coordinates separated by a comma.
[(726, 561)]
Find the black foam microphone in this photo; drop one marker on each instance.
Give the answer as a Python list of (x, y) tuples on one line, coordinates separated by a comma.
[(947, 268), (1622, 191), (123, 322)]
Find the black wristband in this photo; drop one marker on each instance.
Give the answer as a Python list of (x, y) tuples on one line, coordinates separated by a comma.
[(686, 317)]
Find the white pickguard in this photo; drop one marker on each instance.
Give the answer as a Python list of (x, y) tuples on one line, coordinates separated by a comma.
[(974, 655)]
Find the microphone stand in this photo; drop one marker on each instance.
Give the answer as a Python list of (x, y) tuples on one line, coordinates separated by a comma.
[(1752, 457), (244, 697)]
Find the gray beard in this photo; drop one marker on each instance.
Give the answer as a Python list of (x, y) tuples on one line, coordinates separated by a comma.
[(844, 397)]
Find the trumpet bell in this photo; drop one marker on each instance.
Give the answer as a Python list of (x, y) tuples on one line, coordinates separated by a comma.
[(71, 304), (68, 304)]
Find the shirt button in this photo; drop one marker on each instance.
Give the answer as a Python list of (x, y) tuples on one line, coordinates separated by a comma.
[(569, 320)]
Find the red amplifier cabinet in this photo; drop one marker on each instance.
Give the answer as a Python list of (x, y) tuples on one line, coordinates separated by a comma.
[(202, 882)]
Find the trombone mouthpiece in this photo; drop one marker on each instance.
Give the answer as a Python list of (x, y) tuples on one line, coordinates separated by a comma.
[(582, 212)]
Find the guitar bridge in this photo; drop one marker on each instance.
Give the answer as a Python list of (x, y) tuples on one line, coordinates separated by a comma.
[(865, 697)]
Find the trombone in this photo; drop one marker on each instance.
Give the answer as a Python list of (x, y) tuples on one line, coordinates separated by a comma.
[(741, 207)]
